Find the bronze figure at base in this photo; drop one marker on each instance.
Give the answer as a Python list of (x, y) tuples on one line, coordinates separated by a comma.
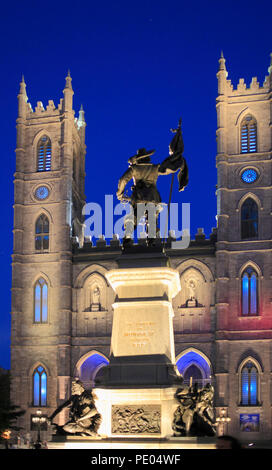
[(84, 417), (195, 414)]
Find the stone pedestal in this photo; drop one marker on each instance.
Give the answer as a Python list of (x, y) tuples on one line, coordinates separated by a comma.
[(136, 412), (143, 312), (136, 391)]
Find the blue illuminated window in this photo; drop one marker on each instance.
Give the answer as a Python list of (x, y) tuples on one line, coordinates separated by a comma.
[(249, 383), (193, 364), (249, 175), (91, 369), (249, 292), (39, 387), (248, 135), (249, 219), (42, 233), (44, 154), (41, 301)]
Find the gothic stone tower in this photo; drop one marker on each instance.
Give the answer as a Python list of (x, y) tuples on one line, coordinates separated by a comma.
[(48, 200), (244, 252)]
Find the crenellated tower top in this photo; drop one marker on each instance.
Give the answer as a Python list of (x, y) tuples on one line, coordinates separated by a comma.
[(25, 109), (226, 87)]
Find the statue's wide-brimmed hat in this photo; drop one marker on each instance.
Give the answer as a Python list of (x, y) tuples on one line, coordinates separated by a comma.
[(141, 154)]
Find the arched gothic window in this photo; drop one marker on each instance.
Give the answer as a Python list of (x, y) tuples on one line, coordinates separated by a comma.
[(42, 233), (39, 387), (249, 384), (193, 373), (90, 367), (248, 135), (44, 154), (41, 301), (193, 365), (249, 219), (249, 292)]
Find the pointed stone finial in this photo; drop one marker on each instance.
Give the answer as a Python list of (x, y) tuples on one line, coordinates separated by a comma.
[(222, 65), (68, 93), (270, 67), (22, 99), (22, 86), (222, 62), (81, 114), (68, 83), (22, 92), (81, 117)]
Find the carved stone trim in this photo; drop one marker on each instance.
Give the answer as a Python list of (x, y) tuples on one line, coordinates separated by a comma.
[(136, 419)]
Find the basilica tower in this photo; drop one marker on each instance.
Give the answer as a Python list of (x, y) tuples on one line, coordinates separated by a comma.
[(48, 200), (244, 249)]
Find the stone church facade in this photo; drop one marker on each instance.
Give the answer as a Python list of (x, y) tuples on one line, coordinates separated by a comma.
[(62, 303)]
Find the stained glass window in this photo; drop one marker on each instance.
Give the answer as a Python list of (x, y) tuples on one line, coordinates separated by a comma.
[(39, 387), (249, 383), (40, 301), (42, 233), (249, 292), (44, 154), (248, 135)]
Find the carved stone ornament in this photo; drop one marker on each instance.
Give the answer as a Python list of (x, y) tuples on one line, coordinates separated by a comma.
[(95, 299), (136, 419)]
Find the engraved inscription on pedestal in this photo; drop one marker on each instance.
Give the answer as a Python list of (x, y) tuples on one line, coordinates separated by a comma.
[(136, 419), (139, 333)]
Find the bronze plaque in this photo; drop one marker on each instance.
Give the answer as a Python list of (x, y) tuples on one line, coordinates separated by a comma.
[(136, 419)]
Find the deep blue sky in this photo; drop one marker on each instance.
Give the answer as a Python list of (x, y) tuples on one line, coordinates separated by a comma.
[(137, 66)]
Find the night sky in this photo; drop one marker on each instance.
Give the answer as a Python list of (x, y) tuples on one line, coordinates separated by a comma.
[(136, 68)]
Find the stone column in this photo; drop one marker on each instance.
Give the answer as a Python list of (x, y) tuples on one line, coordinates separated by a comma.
[(136, 391)]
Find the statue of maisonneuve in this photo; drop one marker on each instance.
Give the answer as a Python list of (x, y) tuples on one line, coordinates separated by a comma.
[(84, 418), (144, 174)]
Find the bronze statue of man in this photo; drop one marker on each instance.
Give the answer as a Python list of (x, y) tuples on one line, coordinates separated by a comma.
[(144, 174), (84, 418)]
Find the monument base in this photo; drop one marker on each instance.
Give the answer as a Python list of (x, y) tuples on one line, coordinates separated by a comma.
[(136, 412), (77, 442)]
